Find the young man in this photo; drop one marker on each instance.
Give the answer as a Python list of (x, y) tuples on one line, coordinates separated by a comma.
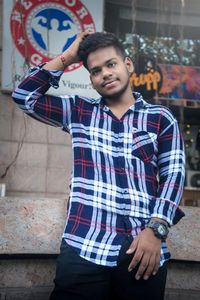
[(127, 178)]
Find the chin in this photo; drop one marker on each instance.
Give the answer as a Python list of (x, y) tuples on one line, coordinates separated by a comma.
[(113, 95)]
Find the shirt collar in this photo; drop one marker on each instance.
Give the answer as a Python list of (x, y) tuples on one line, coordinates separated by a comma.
[(139, 102)]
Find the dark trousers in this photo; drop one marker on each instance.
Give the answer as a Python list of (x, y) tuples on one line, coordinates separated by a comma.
[(79, 279)]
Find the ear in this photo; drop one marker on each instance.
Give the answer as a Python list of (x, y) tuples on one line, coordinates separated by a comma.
[(129, 64)]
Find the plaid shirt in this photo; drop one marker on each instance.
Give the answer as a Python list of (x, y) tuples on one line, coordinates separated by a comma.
[(125, 171)]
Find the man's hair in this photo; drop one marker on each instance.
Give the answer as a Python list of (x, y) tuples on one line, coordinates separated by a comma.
[(96, 41)]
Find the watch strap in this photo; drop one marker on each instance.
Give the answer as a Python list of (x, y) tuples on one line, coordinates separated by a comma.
[(154, 225)]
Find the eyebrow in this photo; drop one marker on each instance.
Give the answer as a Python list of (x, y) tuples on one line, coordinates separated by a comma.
[(99, 67)]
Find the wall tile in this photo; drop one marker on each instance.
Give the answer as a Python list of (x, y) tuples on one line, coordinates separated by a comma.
[(58, 136), (59, 156), (57, 180), (28, 179)]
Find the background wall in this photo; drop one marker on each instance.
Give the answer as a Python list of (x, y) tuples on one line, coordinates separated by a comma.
[(39, 155)]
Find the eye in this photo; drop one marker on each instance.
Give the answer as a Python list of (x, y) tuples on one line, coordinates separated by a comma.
[(111, 64), (95, 72)]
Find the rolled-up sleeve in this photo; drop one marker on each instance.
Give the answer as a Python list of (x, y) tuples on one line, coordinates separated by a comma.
[(171, 166)]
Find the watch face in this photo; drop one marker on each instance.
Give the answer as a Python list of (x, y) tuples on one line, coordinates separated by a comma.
[(161, 230)]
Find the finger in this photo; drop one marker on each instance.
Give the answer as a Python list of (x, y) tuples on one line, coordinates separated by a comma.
[(86, 33), (133, 246), (136, 259), (82, 36), (143, 266), (150, 267), (157, 264)]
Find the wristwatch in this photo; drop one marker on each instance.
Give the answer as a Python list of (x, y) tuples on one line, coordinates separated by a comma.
[(160, 229)]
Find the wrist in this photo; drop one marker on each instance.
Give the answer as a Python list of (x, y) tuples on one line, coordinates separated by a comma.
[(160, 220), (159, 228), (69, 58)]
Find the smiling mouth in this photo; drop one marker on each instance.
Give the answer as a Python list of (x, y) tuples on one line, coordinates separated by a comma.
[(109, 83)]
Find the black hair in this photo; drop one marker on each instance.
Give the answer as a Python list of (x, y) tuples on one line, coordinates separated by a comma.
[(96, 41)]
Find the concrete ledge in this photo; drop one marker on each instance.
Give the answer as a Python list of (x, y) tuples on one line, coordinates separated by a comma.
[(38, 293), (172, 294), (31, 226), (34, 226), (31, 230), (184, 237)]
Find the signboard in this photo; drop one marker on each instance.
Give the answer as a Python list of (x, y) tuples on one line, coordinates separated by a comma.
[(36, 31), (147, 78), (165, 80)]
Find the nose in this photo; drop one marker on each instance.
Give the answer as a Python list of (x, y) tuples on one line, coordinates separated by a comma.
[(106, 72)]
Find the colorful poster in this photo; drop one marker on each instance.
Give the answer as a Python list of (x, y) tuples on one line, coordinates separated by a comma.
[(165, 80), (36, 31), (180, 82)]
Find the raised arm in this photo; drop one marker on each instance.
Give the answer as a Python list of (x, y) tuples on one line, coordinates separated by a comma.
[(31, 96), (68, 57)]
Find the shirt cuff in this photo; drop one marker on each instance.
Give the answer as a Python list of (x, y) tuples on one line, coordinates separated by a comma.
[(53, 75), (166, 210)]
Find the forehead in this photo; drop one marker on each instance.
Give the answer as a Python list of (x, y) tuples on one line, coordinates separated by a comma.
[(101, 56)]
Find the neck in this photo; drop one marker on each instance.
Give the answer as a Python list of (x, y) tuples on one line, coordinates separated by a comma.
[(120, 105), (126, 99)]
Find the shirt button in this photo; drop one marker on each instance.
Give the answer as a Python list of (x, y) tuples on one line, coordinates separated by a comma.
[(125, 191)]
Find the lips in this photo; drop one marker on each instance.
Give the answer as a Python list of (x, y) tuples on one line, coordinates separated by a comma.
[(108, 83)]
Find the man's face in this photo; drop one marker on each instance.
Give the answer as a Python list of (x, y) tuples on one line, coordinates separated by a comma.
[(109, 72)]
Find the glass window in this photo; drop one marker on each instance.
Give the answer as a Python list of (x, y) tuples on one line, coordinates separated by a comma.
[(162, 38)]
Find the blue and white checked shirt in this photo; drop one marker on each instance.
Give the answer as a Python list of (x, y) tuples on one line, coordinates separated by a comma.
[(125, 171)]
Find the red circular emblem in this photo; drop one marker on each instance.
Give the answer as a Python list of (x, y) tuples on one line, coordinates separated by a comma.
[(41, 30)]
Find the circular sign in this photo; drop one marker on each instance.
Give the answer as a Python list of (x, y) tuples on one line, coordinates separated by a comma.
[(41, 30)]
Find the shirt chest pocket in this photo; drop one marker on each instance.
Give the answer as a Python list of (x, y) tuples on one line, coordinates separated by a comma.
[(144, 145)]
